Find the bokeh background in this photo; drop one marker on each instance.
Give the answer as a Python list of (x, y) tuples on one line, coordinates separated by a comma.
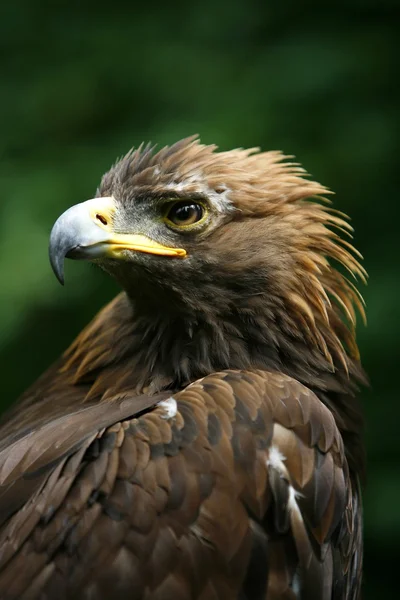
[(80, 83)]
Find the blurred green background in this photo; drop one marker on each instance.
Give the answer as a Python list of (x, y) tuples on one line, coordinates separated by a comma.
[(80, 83)]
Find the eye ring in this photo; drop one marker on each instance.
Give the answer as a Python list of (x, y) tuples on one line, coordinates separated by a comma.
[(185, 214)]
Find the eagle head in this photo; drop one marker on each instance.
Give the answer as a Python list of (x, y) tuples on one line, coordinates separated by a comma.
[(240, 242)]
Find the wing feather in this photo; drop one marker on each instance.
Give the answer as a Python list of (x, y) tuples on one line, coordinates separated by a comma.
[(244, 490)]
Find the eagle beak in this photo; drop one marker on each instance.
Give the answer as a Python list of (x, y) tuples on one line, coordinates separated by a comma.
[(85, 231)]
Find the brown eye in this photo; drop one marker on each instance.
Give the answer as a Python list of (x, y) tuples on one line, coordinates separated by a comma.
[(185, 213)]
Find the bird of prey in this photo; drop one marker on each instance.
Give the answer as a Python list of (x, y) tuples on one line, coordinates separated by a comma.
[(201, 438)]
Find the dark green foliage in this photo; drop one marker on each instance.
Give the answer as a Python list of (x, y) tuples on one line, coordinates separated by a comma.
[(81, 84)]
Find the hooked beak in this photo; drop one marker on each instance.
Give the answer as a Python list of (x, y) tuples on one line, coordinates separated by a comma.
[(85, 231)]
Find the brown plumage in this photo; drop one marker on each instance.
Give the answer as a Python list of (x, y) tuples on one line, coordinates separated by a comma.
[(200, 439)]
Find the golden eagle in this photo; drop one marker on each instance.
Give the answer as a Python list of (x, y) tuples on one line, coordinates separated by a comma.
[(200, 439)]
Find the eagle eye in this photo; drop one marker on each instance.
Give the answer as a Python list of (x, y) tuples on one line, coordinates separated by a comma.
[(184, 213)]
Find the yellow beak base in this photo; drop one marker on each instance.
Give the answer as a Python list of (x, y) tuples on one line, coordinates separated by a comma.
[(140, 243)]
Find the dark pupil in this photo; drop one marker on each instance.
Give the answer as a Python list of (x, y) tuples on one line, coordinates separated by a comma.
[(185, 214)]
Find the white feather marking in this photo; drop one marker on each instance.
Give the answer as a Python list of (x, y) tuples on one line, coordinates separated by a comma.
[(276, 459), (296, 584), (220, 200), (293, 494), (170, 407)]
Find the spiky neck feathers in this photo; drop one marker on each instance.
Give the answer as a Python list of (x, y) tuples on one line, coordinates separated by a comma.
[(169, 335)]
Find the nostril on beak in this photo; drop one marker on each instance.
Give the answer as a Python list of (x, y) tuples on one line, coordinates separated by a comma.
[(101, 218)]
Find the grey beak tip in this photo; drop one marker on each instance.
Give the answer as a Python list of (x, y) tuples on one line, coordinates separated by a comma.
[(57, 264)]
